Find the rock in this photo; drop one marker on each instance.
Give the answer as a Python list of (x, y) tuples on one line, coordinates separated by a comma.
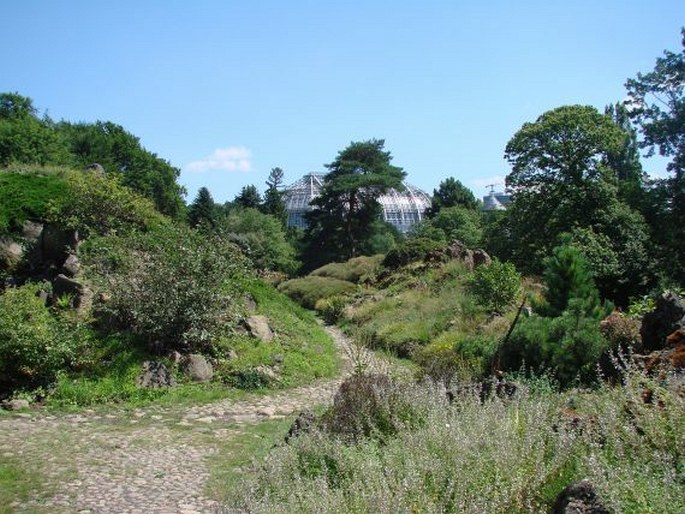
[(579, 498), (155, 375), (44, 296), (175, 357), (56, 244), (278, 358), (81, 295), (250, 303), (667, 317), (197, 367), (303, 424), (267, 412), (16, 404), (481, 258), (31, 231), (11, 253), (258, 326), (458, 250), (95, 168), (71, 266), (268, 373), (231, 354)]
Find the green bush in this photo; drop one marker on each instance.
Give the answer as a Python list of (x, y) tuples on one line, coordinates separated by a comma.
[(411, 250), (332, 308), (309, 290), (353, 270), (568, 346), (450, 224), (173, 288), (496, 286), (34, 344)]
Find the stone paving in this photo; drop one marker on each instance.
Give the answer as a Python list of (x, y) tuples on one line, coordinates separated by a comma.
[(149, 460)]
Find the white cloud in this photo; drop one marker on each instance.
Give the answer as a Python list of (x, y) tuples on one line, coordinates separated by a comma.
[(232, 158), (496, 180)]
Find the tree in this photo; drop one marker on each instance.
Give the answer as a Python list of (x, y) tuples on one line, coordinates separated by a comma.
[(561, 179), (345, 214), (451, 193), (656, 103), (449, 224), (273, 197), (248, 198), (120, 152), (203, 210)]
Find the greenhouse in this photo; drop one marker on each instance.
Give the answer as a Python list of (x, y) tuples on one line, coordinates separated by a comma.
[(402, 209)]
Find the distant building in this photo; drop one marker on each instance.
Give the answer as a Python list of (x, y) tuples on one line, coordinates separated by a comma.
[(402, 209), (496, 201)]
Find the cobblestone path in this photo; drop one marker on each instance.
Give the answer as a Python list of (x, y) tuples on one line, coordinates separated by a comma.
[(149, 460)]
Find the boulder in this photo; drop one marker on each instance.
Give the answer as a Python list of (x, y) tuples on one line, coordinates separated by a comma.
[(56, 244), (258, 326), (81, 295), (458, 250), (667, 317), (481, 258), (155, 375), (579, 498), (197, 367), (71, 266), (95, 168), (11, 253), (16, 404), (303, 424), (31, 231), (250, 303)]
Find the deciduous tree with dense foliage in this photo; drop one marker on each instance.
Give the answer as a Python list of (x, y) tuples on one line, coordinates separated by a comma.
[(345, 215), (451, 193)]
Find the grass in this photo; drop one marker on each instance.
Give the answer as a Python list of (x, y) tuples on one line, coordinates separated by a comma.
[(309, 290), (353, 270), (16, 483), (497, 457)]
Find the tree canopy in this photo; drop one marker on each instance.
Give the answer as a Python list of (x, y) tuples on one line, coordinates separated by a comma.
[(451, 193)]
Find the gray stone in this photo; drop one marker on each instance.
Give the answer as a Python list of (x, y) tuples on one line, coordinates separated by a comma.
[(258, 326), (31, 230), (155, 375), (250, 303), (11, 253), (16, 404), (81, 295), (579, 498), (481, 258), (197, 367), (458, 250), (667, 317), (96, 168), (71, 266)]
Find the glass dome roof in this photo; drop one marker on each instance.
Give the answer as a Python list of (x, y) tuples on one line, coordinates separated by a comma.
[(400, 208)]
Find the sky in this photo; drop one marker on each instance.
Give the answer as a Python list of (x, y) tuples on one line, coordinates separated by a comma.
[(228, 90)]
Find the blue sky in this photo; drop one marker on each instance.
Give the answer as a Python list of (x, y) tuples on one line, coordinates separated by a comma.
[(227, 90)]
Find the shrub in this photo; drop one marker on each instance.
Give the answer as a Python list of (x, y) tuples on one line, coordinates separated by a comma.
[(309, 290), (174, 290), (353, 270), (332, 308), (411, 250), (496, 286), (568, 346), (34, 345)]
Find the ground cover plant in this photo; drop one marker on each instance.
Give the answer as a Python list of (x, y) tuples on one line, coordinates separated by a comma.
[(512, 454)]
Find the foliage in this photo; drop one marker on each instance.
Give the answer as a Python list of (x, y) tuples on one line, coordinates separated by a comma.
[(34, 345), (203, 210), (120, 153), (25, 138), (261, 237), (496, 285), (498, 456), (332, 308), (273, 197), (344, 215), (656, 103), (568, 346), (353, 270), (248, 198), (26, 194), (568, 279), (411, 250), (451, 193), (309, 290), (451, 224), (174, 290), (99, 204)]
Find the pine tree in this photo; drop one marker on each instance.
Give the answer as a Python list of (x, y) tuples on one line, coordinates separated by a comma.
[(203, 210), (273, 197), (248, 198)]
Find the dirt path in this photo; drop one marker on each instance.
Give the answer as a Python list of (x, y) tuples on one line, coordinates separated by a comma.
[(150, 460)]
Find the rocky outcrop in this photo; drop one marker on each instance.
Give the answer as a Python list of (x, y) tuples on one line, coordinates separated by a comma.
[(667, 317), (155, 375), (258, 326), (81, 297), (17, 404), (579, 498), (71, 266), (471, 258), (11, 253), (197, 367)]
